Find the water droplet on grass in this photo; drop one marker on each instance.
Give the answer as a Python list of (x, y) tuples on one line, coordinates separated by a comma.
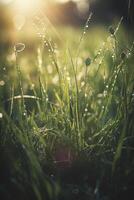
[(82, 83), (1, 115), (2, 83), (19, 47), (86, 110), (105, 93), (47, 99), (32, 86), (85, 95), (129, 54), (24, 113), (68, 78)]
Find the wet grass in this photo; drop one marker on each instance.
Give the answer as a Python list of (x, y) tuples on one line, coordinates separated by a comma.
[(66, 115)]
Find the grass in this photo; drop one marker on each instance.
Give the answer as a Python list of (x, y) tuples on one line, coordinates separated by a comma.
[(66, 122)]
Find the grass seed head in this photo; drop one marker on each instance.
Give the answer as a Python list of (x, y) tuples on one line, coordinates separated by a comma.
[(111, 30), (123, 55)]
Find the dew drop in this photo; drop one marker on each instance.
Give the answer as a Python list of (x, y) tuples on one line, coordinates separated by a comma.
[(2, 83), (19, 47), (24, 113), (105, 93), (86, 110), (129, 54), (82, 83), (85, 95), (107, 86), (32, 86), (68, 78), (1, 115)]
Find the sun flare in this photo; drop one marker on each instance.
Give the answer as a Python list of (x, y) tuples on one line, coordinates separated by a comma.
[(27, 6)]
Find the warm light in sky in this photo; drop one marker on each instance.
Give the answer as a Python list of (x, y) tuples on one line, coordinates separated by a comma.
[(24, 6), (5, 1), (82, 5), (64, 1), (27, 6)]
